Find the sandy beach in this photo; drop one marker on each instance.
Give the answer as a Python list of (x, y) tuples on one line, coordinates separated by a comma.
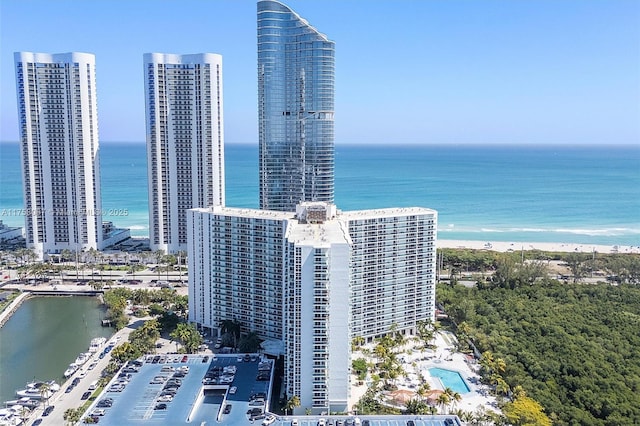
[(502, 246)]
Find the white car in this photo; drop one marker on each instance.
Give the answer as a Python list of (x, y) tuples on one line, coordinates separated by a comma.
[(98, 412), (269, 420), (82, 374), (233, 390), (165, 398), (157, 380)]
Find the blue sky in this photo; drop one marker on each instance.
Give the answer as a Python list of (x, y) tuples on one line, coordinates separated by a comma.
[(407, 71)]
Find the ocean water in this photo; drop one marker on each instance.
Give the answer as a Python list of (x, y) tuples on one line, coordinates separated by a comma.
[(585, 195)]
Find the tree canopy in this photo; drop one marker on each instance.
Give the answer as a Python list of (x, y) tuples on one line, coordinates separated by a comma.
[(572, 347)]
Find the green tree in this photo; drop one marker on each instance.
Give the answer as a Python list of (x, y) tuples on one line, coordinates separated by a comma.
[(72, 415), (416, 406), (45, 393), (291, 404), (233, 327), (525, 411), (577, 264), (359, 368), (249, 343), (188, 336), (125, 352)]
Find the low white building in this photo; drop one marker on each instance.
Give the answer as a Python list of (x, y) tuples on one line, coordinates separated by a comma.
[(313, 279)]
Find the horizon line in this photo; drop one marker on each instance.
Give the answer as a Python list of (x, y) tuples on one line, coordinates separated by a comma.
[(417, 144)]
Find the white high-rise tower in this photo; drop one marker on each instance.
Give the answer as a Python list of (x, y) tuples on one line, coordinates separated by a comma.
[(59, 151), (185, 142)]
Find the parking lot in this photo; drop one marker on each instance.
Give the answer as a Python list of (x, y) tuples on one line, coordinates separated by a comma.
[(136, 395)]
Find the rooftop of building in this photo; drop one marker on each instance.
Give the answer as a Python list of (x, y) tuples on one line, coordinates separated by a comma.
[(194, 402), (353, 214)]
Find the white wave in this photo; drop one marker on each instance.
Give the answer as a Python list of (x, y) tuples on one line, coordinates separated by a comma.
[(138, 227), (604, 232)]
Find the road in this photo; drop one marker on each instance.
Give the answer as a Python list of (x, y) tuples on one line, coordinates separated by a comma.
[(62, 401)]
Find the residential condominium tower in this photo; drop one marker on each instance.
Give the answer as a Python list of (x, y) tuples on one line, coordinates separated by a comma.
[(296, 76), (185, 142), (312, 280), (59, 151)]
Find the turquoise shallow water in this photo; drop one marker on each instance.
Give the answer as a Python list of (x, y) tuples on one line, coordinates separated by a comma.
[(586, 195), (450, 379)]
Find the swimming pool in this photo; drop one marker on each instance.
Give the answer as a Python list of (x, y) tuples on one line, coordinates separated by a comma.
[(450, 379)]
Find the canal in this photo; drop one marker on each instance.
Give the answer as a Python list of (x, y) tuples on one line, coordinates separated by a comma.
[(44, 336)]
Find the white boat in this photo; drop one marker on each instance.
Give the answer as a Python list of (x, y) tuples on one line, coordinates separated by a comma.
[(82, 358), (24, 402), (10, 416), (53, 386), (97, 343), (33, 393), (32, 390), (72, 369)]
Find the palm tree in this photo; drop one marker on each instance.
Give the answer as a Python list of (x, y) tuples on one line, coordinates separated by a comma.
[(181, 255), (502, 388), (443, 401), (422, 390), (169, 261), (45, 392), (233, 327), (291, 404), (455, 397), (24, 414), (158, 255)]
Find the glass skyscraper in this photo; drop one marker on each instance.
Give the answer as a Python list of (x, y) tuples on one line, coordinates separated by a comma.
[(296, 74)]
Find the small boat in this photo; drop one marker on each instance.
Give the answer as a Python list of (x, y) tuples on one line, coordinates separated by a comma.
[(33, 393), (82, 358), (97, 343), (53, 386), (24, 402), (72, 369), (33, 390), (10, 416)]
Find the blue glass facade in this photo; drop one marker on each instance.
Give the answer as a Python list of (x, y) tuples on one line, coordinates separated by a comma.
[(296, 74)]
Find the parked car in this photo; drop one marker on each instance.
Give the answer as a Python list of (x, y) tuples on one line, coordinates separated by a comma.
[(85, 396), (106, 402), (227, 409), (98, 412), (233, 390), (48, 410), (160, 406), (269, 420)]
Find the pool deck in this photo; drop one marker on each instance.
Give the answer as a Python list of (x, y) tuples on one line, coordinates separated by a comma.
[(443, 356)]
